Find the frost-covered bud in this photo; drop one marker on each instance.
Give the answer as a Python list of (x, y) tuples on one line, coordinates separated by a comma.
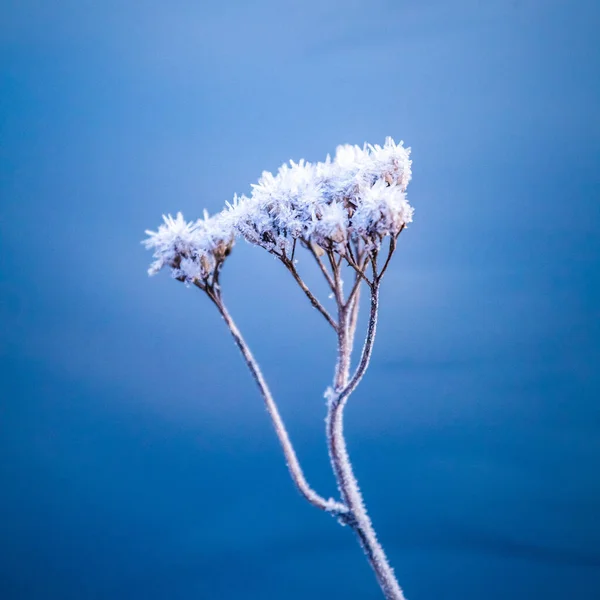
[(281, 208), (357, 195), (382, 210), (392, 163), (360, 194), (330, 227), (192, 250)]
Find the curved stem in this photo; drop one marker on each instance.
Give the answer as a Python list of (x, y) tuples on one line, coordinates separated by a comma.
[(357, 517), (293, 464), (391, 249), (353, 306), (313, 300), (311, 247)]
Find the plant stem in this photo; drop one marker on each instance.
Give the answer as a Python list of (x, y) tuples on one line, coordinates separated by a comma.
[(313, 300), (357, 517), (331, 506)]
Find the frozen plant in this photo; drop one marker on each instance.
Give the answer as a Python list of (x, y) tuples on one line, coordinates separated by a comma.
[(347, 214)]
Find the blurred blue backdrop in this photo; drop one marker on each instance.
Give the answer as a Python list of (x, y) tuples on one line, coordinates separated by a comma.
[(137, 460)]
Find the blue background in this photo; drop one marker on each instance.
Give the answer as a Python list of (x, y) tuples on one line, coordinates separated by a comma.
[(136, 459)]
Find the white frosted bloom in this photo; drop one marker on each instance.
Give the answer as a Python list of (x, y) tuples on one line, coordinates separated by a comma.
[(392, 163), (352, 157), (382, 210), (282, 207), (358, 193), (331, 226), (192, 250)]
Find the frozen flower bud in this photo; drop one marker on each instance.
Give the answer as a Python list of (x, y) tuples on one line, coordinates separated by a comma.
[(193, 251), (330, 228), (382, 210), (391, 163)]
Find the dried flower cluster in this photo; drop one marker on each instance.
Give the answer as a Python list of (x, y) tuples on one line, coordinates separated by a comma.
[(341, 210), (359, 196), (194, 251)]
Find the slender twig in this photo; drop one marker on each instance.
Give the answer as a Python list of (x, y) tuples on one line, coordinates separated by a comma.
[(354, 290), (350, 252), (360, 272), (357, 517), (337, 285), (331, 506), (391, 249), (332, 262), (367, 350), (293, 249), (373, 254), (353, 306), (313, 300), (324, 270)]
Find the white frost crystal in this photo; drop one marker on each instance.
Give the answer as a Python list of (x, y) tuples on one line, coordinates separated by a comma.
[(192, 250), (360, 195)]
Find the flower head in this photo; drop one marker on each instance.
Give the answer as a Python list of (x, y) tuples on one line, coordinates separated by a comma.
[(193, 250), (280, 208), (358, 194)]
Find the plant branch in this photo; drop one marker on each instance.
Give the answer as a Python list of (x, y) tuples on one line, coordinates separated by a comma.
[(360, 271), (350, 252), (334, 267), (367, 348), (357, 517), (324, 270), (354, 289), (353, 309), (391, 250), (313, 300), (331, 506)]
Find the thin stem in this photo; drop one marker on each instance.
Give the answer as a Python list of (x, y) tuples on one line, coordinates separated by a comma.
[(360, 271), (349, 251), (353, 291), (324, 270), (357, 517), (313, 300), (293, 464), (344, 349), (391, 249), (338, 286), (332, 262), (354, 304)]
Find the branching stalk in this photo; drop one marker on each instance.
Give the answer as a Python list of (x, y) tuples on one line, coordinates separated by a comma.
[(323, 268), (357, 517), (301, 203), (313, 300), (331, 506), (353, 306)]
